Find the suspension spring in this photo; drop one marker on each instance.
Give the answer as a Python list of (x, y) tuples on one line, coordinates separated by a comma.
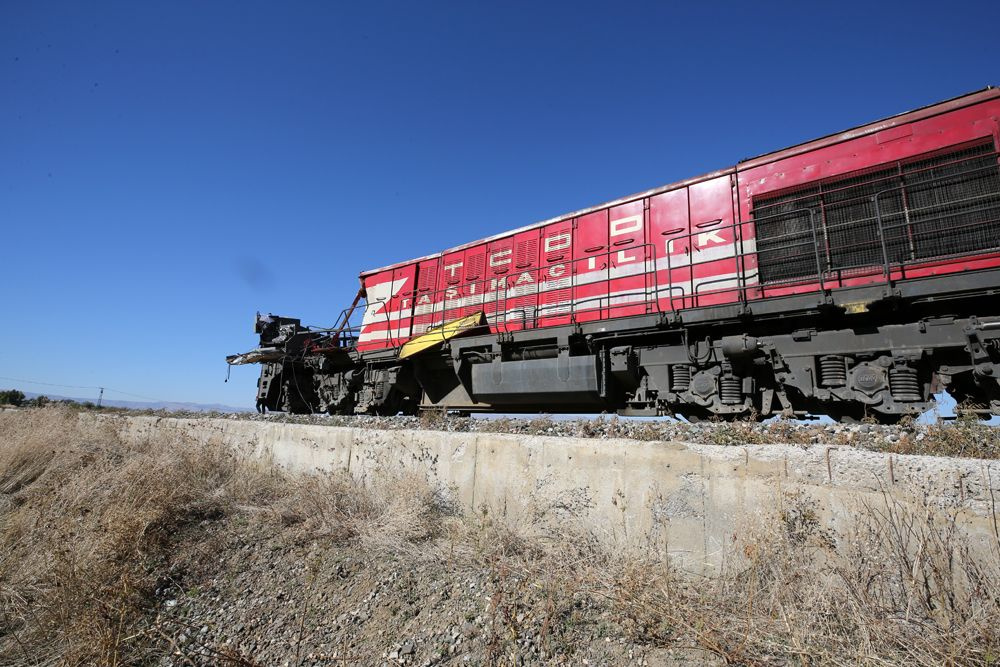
[(832, 371), (680, 377), (731, 390), (904, 384)]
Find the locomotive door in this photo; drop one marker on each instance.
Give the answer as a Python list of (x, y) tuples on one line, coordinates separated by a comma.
[(399, 309), (375, 324), (500, 263), (668, 233), (450, 285), (426, 304), (522, 284), (386, 320), (555, 286), (629, 282), (474, 286), (714, 260), (590, 267)]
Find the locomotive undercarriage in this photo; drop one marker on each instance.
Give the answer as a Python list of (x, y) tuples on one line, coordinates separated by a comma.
[(883, 359), (884, 372)]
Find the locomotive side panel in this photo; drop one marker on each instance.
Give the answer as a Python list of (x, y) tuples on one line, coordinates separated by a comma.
[(521, 287), (630, 261), (690, 248), (669, 235), (590, 266), (449, 287), (400, 306), (715, 267), (474, 278), (888, 205), (555, 275), (499, 269), (380, 321), (426, 309)]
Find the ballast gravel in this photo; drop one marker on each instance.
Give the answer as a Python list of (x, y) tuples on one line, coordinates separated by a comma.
[(964, 437)]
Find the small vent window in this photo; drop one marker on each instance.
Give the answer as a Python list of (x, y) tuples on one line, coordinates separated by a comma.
[(427, 278), (526, 252), (935, 206), (475, 262)]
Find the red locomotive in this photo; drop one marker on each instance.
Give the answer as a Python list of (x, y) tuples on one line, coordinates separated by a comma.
[(852, 275)]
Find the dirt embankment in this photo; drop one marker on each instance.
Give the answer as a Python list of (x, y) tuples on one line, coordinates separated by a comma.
[(169, 552)]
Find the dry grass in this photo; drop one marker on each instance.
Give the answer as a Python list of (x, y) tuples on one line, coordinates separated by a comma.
[(902, 589), (965, 436), (91, 527), (86, 524), (392, 514)]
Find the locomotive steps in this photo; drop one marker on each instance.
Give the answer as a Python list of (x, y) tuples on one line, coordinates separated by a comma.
[(684, 500)]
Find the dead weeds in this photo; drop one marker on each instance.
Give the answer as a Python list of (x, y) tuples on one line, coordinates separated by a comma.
[(92, 526)]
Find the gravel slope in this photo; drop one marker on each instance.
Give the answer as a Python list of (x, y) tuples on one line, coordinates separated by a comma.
[(268, 597)]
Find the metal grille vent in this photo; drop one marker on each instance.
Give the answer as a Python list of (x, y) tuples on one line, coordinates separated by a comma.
[(938, 205), (526, 253), (474, 265), (427, 278)]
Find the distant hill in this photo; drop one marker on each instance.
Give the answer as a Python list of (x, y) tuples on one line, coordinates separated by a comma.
[(150, 405)]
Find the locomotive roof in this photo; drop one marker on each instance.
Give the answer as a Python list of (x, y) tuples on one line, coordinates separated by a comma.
[(919, 113)]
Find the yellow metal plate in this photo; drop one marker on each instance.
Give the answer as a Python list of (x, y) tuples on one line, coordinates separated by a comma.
[(440, 334)]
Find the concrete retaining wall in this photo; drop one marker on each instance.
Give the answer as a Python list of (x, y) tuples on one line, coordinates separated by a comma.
[(685, 500)]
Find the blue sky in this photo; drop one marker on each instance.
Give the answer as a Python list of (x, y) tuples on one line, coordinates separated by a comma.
[(167, 169)]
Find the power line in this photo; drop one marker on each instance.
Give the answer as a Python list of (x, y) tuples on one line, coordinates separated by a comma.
[(76, 386), (47, 384), (125, 393)]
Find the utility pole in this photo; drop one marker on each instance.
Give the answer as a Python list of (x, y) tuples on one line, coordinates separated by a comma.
[(100, 396)]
